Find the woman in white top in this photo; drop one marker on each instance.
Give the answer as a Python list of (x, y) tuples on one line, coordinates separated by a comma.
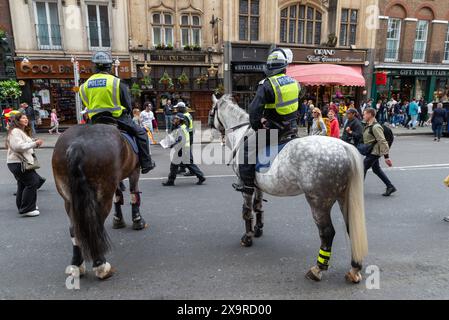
[(20, 146), (318, 126)]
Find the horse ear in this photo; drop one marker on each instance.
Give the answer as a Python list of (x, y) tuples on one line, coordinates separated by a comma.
[(214, 99)]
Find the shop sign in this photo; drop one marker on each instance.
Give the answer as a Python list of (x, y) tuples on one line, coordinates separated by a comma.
[(419, 73), (326, 55), (249, 67), (178, 57), (44, 69)]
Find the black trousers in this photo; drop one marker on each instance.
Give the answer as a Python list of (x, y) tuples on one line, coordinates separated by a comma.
[(27, 183), (182, 165), (125, 123), (372, 161), (193, 168)]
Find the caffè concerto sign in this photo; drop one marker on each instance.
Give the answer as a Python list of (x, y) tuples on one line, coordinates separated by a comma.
[(43, 69), (328, 55)]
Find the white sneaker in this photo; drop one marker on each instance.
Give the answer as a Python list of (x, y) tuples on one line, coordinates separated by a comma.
[(34, 213)]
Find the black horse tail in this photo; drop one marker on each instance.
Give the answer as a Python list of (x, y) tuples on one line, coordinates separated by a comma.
[(86, 217)]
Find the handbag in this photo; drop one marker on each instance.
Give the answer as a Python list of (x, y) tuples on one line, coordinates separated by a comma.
[(26, 166)]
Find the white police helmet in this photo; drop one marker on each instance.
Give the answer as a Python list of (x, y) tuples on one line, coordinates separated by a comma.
[(278, 60), (102, 58)]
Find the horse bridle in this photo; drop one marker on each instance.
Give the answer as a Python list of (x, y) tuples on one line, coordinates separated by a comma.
[(214, 112)]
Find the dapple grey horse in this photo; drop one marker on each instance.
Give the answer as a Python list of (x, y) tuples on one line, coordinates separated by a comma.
[(325, 169)]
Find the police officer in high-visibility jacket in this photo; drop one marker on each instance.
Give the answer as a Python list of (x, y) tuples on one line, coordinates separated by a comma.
[(275, 107), (105, 95), (181, 107)]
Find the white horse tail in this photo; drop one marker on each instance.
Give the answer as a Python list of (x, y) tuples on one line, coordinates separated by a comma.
[(355, 206)]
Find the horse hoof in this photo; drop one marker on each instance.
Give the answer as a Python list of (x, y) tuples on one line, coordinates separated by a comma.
[(314, 274), (83, 269), (118, 224), (246, 241), (258, 232), (353, 277), (140, 225), (105, 271)]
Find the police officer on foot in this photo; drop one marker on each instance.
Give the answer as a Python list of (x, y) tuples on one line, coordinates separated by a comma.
[(105, 95), (275, 107), (181, 137), (181, 107)]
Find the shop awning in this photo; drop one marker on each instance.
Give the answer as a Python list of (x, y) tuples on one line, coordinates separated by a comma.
[(327, 74)]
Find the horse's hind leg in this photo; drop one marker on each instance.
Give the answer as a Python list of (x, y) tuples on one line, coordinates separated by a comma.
[(138, 221), (77, 267), (247, 212), (354, 275), (118, 221), (321, 211), (257, 208)]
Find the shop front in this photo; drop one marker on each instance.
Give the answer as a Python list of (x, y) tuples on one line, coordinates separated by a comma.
[(50, 84), (324, 92), (178, 76), (248, 65), (408, 83)]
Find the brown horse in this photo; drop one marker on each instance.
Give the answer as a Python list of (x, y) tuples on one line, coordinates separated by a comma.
[(89, 162)]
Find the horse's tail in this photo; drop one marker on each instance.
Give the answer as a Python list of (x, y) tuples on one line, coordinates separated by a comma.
[(355, 206), (85, 212)]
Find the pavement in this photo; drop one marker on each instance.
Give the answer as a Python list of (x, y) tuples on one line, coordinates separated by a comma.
[(211, 136), (191, 249)]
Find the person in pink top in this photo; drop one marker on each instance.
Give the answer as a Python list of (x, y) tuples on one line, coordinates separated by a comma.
[(54, 122), (335, 127)]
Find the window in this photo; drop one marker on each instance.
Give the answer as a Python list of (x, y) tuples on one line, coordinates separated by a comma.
[(301, 24), (98, 22), (393, 39), (348, 27), (446, 47), (419, 52), (190, 30), (47, 25), (162, 29), (249, 20)]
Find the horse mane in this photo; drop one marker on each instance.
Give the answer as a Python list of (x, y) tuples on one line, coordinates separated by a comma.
[(233, 108)]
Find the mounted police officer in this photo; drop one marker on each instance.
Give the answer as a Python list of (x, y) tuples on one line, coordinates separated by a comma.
[(275, 107), (106, 96)]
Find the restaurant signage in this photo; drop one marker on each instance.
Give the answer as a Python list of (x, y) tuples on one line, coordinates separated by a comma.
[(326, 55)]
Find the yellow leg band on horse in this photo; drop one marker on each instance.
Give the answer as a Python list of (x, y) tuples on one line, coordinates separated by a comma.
[(323, 261), (325, 253)]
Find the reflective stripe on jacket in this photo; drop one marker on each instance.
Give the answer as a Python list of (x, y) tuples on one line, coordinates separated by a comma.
[(286, 92)]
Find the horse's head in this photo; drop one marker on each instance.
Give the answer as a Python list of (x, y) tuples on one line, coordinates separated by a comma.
[(214, 118)]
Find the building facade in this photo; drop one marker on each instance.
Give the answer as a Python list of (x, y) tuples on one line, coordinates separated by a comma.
[(176, 51), (318, 31), (49, 33), (412, 56), (7, 70)]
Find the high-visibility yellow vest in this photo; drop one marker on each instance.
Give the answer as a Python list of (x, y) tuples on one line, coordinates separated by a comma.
[(101, 93), (189, 116), (186, 135), (286, 92)]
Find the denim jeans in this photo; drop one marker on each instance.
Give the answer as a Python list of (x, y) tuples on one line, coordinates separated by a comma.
[(33, 127), (413, 121), (437, 130), (168, 124)]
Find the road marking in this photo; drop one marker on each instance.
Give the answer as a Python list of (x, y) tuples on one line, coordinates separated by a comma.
[(407, 168)]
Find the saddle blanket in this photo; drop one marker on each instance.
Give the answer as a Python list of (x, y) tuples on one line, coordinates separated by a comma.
[(267, 156), (131, 141)]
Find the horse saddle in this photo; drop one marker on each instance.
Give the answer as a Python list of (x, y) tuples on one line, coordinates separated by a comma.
[(131, 140), (266, 157)]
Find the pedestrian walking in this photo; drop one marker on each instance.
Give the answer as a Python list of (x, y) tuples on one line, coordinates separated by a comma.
[(181, 138), (168, 113), (376, 147), (353, 129), (413, 112), (29, 112), (22, 163), (334, 125), (54, 122), (318, 126), (147, 117), (136, 117), (439, 116)]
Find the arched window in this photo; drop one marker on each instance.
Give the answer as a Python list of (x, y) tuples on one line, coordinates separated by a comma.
[(162, 28), (301, 24), (190, 30)]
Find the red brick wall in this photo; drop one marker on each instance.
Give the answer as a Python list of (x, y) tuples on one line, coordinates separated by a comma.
[(5, 17)]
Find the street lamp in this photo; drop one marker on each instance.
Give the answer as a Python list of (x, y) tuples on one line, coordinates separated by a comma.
[(76, 76), (212, 71), (116, 65)]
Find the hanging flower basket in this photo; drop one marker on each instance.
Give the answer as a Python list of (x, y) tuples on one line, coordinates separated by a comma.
[(183, 79), (166, 80), (201, 79)]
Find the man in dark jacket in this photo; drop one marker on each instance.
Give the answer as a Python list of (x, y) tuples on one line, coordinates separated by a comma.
[(353, 129), (439, 116), (29, 112)]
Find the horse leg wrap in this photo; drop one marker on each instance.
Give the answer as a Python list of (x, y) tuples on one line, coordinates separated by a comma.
[(323, 258), (259, 219), (118, 211), (77, 257), (118, 199)]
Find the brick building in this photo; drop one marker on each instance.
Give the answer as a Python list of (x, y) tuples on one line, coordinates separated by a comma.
[(412, 50)]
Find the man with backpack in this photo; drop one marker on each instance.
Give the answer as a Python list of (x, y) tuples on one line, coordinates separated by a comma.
[(377, 140)]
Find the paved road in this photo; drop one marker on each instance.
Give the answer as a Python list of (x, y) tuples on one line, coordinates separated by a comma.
[(192, 250)]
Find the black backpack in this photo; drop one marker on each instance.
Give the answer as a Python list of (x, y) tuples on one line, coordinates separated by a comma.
[(388, 133)]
